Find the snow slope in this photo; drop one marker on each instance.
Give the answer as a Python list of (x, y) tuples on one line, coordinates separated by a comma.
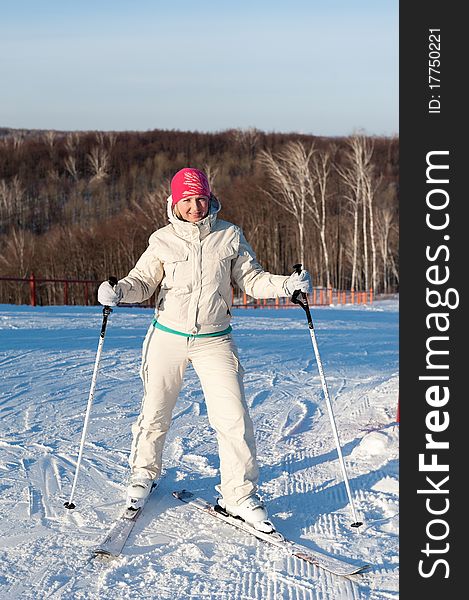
[(47, 356)]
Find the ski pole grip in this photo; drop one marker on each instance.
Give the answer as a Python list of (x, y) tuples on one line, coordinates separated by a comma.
[(298, 268), (107, 310)]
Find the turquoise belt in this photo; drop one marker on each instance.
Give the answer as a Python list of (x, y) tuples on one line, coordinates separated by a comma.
[(157, 325)]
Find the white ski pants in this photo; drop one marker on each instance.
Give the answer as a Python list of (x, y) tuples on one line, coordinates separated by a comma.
[(215, 360)]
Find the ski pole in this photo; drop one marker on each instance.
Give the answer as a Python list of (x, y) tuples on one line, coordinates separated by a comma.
[(107, 310), (300, 298)]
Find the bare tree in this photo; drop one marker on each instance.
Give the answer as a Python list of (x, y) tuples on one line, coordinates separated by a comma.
[(384, 226), (49, 138), (317, 201), (370, 188), (72, 140), (248, 139), (299, 179), (212, 172), (71, 166), (5, 201), (153, 207), (357, 176), (19, 251), (111, 140), (290, 177), (13, 205), (100, 137), (98, 159), (18, 141)]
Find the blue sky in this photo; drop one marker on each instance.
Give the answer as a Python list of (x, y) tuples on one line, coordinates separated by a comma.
[(321, 67)]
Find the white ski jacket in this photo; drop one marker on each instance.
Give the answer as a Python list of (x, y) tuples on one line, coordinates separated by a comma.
[(194, 264)]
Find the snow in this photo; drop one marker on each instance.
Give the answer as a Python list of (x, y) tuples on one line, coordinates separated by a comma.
[(47, 357)]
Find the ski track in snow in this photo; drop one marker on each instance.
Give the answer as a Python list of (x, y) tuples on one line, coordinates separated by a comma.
[(47, 356)]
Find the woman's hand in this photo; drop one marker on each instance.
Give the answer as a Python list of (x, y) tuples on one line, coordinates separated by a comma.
[(109, 295), (298, 281)]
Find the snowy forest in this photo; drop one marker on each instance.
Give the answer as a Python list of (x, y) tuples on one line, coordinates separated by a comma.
[(81, 205)]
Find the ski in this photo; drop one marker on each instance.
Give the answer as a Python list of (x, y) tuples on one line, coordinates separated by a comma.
[(337, 566), (120, 531)]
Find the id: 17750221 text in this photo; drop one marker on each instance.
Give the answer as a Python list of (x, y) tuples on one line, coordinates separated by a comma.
[(434, 62)]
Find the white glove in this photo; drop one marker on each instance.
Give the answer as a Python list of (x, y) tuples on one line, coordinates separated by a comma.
[(109, 295), (298, 281)]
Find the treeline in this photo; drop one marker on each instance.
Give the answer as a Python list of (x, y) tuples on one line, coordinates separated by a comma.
[(82, 205)]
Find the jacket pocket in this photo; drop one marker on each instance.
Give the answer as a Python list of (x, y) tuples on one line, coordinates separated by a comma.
[(161, 299), (216, 266), (176, 269), (229, 251), (225, 304), (214, 310)]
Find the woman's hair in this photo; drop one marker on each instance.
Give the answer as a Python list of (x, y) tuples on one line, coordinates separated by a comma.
[(176, 212)]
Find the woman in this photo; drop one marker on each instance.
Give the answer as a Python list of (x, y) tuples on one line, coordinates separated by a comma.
[(193, 260)]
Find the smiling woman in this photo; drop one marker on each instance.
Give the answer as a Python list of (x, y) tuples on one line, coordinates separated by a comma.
[(193, 261)]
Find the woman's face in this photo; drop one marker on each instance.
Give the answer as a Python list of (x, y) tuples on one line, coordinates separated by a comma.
[(193, 208)]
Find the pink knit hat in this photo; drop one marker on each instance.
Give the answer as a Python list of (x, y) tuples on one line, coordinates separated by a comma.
[(189, 182)]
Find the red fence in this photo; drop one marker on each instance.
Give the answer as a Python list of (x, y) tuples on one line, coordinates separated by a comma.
[(83, 292), (319, 297), (87, 289)]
